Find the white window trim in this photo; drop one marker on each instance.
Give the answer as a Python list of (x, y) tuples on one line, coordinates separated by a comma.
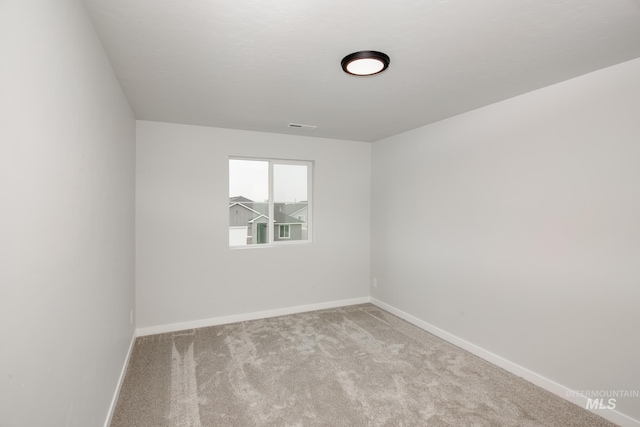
[(271, 221)]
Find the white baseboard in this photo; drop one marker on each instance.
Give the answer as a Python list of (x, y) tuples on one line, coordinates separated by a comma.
[(203, 323), (545, 383), (112, 407)]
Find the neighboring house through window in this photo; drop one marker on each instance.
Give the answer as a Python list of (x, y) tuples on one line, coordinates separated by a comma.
[(269, 201)]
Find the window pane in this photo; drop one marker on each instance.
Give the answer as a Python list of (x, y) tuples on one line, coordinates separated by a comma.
[(248, 202), (290, 201)]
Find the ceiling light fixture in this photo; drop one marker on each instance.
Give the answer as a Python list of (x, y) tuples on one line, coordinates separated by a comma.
[(365, 63)]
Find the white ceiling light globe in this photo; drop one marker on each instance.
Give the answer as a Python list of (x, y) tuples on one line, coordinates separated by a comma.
[(365, 67)]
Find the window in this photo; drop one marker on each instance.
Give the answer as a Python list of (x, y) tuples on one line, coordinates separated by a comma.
[(269, 201), (284, 231)]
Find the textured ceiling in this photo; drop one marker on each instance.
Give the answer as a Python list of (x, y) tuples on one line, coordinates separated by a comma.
[(261, 64)]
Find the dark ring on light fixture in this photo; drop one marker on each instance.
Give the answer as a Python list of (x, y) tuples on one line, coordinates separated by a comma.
[(365, 54)]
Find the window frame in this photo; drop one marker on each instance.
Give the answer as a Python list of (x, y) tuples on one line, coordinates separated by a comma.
[(271, 240)]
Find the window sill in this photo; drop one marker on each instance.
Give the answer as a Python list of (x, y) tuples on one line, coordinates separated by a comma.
[(281, 244)]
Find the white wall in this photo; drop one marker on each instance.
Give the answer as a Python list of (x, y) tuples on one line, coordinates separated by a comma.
[(185, 268), (526, 229), (67, 146)]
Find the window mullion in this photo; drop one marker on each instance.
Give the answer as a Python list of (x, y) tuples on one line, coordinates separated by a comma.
[(271, 222)]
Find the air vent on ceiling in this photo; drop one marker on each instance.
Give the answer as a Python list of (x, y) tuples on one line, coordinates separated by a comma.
[(299, 126)]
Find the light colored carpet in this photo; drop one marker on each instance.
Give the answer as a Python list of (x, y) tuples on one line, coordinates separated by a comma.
[(350, 366)]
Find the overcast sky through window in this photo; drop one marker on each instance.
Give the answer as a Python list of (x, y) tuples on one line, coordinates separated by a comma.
[(250, 178)]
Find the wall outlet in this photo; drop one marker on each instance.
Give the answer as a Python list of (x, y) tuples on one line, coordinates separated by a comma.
[(374, 283), (131, 317)]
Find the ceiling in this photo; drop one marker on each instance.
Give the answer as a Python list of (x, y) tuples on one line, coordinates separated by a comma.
[(262, 64)]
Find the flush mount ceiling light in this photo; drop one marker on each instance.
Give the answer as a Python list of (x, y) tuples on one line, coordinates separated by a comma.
[(365, 63)]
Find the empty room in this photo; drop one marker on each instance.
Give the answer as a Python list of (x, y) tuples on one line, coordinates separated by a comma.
[(319, 213)]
